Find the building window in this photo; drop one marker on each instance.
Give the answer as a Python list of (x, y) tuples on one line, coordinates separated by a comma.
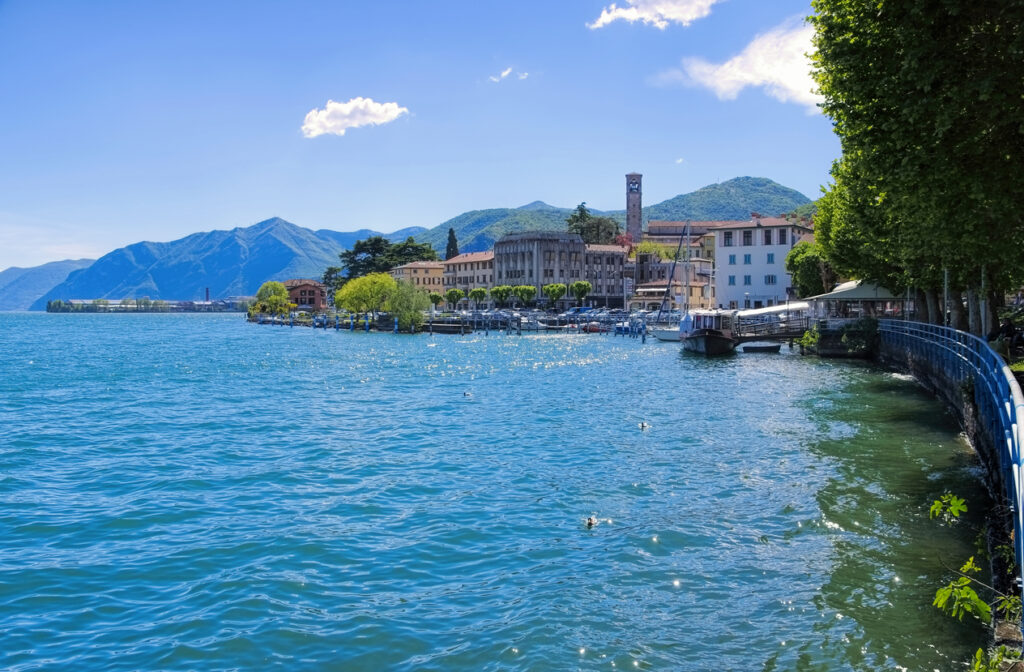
[(767, 236), (748, 238), (769, 279), (732, 280), (746, 259), (727, 239), (771, 257), (782, 236), (732, 259), (746, 279)]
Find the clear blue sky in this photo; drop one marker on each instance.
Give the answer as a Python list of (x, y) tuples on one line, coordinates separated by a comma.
[(129, 121)]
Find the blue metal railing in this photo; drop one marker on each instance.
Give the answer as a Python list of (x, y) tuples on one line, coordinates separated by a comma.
[(962, 357)]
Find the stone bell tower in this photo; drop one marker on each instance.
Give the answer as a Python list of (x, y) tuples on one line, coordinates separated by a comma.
[(634, 221)]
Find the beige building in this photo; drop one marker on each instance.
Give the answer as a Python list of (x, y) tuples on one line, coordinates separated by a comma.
[(542, 258), (425, 275), (469, 271)]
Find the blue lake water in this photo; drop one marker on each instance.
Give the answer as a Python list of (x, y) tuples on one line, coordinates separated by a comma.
[(186, 492)]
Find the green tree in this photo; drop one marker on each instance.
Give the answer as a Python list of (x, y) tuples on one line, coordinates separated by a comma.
[(593, 230), (436, 298), (452, 250), (501, 294), (407, 304), (127, 303), (580, 289), (812, 274), (365, 294), (377, 255), (525, 293), (924, 95), (554, 292), (650, 247), (478, 294), (333, 280), (453, 296), (271, 288)]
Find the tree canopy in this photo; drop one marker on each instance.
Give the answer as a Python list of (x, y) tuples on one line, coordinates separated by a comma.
[(377, 255), (580, 289), (593, 230), (407, 303), (368, 293), (452, 249), (925, 98), (812, 274)]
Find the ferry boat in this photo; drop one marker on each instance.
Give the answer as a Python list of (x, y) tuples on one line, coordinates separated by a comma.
[(708, 332)]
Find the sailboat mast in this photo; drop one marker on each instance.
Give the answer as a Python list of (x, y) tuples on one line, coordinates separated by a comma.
[(686, 272)]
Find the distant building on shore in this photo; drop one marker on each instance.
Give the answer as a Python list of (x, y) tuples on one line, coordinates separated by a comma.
[(751, 268), (469, 271), (425, 275), (307, 294), (542, 258)]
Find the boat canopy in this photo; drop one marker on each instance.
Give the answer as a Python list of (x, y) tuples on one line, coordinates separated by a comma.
[(791, 307)]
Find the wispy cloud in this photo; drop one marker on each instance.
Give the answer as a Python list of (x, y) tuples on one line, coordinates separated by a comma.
[(336, 118), (658, 13), (776, 61), (505, 73), (678, 161)]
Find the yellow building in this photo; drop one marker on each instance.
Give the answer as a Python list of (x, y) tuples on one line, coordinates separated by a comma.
[(425, 275)]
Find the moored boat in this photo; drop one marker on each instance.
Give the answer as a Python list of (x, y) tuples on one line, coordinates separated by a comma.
[(708, 332)]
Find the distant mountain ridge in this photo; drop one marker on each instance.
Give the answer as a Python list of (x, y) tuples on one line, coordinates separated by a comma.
[(236, 262), (477, 230), (20, 287), (229, 263)]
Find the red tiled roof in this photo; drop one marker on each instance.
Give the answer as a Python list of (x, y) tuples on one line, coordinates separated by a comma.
[(302, 281), (606, 248), (470, 257)]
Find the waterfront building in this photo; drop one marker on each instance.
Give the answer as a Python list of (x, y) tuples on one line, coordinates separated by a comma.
[(307, 294), (542, 258), (469, 271), (751, 256), (425, 275)]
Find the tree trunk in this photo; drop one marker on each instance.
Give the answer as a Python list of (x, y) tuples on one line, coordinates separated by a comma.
[(956, 309), (974, 311), (932, 303)]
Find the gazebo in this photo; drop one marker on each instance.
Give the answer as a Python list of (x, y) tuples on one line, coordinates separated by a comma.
[(858, 298)]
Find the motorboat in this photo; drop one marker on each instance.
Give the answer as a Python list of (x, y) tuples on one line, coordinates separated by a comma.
[(708, 332)]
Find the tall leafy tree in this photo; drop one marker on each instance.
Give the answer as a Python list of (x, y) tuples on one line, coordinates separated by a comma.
[(378, 255), (593, 230), (925, 98), (812, 274), (407, 303), (368, 293), (452, 250)]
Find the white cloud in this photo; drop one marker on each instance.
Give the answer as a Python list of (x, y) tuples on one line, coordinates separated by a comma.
[(505, 73), (777, 61), (658, 13), (336, 118), (678, 161)]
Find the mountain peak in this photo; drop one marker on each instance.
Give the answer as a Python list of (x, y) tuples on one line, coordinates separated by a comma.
[(537, 205)]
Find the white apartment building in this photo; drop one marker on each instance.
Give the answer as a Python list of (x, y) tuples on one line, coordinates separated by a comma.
[(750, 268)]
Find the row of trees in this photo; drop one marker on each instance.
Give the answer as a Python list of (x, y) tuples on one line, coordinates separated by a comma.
[(925, 98), (524, 294), (142, 305)]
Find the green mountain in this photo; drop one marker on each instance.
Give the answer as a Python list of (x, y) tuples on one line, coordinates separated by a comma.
[(734, 199), (229, 263), (20, 287)]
